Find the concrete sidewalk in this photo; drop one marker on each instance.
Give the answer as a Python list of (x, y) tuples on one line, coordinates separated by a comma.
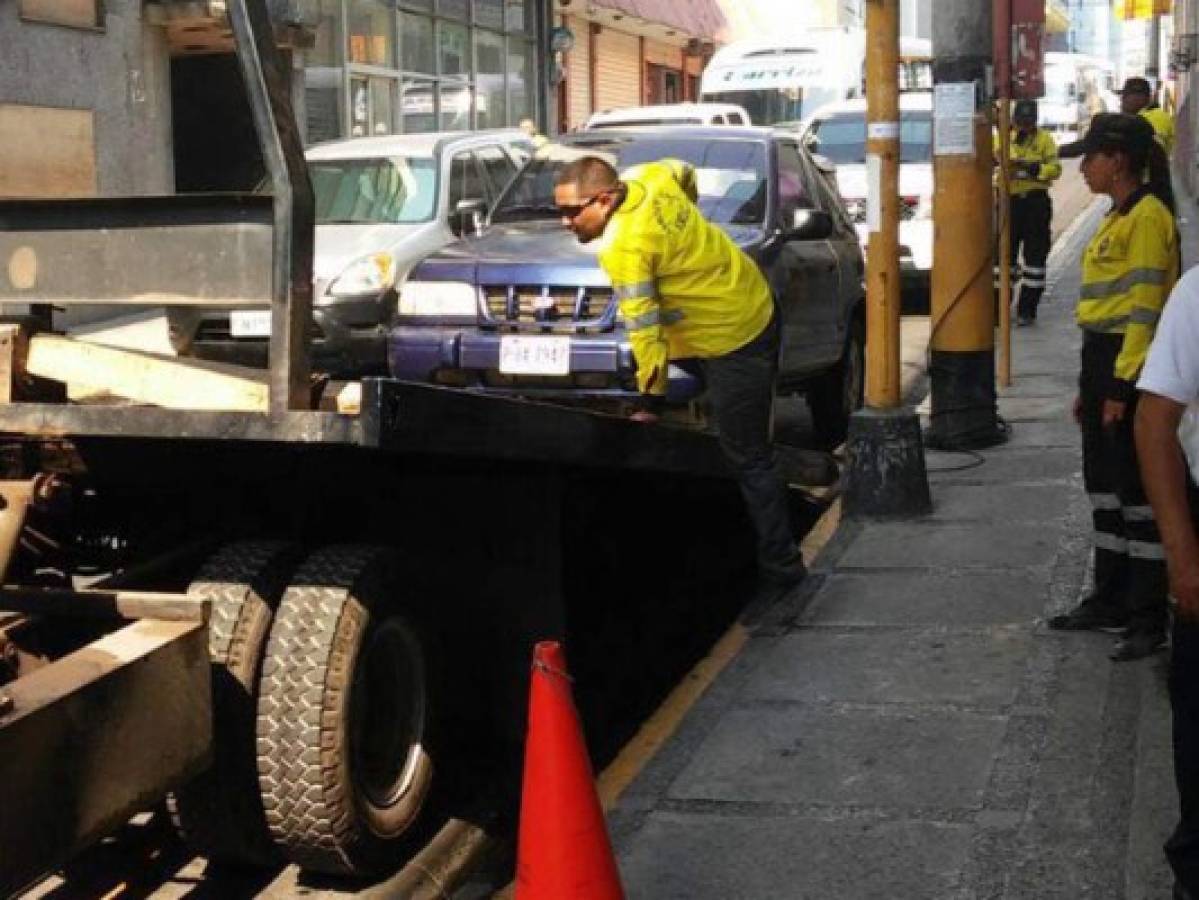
[(906, 726)]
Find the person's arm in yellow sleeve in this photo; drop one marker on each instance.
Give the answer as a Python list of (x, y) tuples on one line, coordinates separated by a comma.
[(1051, 167), (632, 271), (1150, 253)]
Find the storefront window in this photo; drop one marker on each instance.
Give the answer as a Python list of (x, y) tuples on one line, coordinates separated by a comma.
[(371, 25), (458, 64), (520, 15), (324, 15), (455, 9), (416, 106), (416, 44), (455, 107), (453, 50), (490, 14), (492, 109), (522, 81)]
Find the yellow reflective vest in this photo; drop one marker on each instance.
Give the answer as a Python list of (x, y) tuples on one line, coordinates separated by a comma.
[(1038, 147), (1128, 270), (1163, 126), (685, 289)]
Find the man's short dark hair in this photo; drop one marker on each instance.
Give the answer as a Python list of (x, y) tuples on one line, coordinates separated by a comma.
[(589, 174)]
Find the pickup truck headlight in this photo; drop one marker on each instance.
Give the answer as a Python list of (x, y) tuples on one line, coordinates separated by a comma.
[(370, 275), (438, 298)]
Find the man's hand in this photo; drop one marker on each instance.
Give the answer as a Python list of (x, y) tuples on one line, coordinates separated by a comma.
[(1076, 410), (1113, 412), (1184, 588)]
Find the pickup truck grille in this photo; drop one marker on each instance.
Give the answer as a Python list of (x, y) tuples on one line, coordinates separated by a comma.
[(548, 308)]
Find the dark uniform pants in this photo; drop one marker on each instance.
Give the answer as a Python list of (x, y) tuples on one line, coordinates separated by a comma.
[(1130, 568), (1031, 214), (741, 390), (1183, 847)]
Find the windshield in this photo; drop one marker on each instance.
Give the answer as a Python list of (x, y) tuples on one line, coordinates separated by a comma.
[(397, 189), (842, 138), (770, 106), (730, 175)]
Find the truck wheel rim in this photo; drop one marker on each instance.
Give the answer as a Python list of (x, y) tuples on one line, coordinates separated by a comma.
[(388, 716)]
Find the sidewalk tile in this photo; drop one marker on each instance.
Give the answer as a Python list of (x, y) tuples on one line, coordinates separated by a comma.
[(1011, 504), (684, 857), (872, 666), (929, 545), (1002, 466), (918, 599), (860, 757)]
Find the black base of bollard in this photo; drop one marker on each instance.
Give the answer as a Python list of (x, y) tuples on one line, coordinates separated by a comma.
[(886, 475), (964, 412)]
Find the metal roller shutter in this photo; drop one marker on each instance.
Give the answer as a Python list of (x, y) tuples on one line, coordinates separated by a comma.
[(618, 75), (578, 73)]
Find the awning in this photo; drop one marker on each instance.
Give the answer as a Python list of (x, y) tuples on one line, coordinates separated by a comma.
[(696, 18)]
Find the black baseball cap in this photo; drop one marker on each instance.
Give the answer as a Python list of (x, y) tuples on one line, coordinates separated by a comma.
[(1136, 85), (1110, 132), (1025, 111)]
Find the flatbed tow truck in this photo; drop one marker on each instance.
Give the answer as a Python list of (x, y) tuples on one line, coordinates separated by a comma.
[(295, 615)]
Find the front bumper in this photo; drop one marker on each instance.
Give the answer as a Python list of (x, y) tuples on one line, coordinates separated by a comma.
[(601, 365), (338, 344)]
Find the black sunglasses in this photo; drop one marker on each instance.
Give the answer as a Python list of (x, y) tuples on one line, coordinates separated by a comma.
[(573, 211)]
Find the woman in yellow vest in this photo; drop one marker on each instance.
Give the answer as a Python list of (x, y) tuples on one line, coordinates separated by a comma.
[(1128, 270)]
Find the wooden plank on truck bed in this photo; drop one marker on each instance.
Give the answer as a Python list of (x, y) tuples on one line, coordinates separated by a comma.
[(95, 372)]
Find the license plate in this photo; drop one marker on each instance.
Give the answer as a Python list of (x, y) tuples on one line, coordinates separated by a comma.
[(520, 355), (250, 323)]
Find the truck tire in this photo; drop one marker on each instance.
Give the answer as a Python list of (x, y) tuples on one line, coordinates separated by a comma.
[(838, 393), (343, 711), (219, 813)]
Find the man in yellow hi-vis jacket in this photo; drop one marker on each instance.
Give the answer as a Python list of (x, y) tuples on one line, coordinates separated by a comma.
[(1034, 167), (686, 291), (1136, 99)]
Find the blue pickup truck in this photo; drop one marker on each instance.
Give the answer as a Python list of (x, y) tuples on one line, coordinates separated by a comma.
[(521, 307)]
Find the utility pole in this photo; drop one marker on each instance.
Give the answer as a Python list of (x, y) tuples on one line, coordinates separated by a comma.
[(962, 359), (886, 471)]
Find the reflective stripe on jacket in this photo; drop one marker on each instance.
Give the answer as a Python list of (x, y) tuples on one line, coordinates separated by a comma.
[(1128, 270), (1038, 147), (1163, 126), (685, 289)]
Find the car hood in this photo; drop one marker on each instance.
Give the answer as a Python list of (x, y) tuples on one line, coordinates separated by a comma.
[(915, 180), (540, 252), (339, 245)]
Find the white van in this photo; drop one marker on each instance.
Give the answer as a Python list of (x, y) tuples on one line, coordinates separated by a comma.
[(670, 114)]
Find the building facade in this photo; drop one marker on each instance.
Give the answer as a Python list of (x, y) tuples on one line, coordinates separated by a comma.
[(632, 53), (379, 67)]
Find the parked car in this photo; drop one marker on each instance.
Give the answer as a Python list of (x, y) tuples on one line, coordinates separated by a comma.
[(523, 308), (670, 114), (382, 204), (838, 132)]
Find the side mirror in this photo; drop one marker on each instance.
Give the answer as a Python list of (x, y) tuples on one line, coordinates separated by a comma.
[(808, 225), (468, 217)]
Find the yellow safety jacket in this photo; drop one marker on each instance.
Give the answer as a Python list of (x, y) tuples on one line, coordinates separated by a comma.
[(685, 289), (1128, 270), (1038, 147), (1163, 126)]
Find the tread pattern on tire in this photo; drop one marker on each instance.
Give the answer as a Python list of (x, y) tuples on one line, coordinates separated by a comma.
[(219, 813), (303, 696)]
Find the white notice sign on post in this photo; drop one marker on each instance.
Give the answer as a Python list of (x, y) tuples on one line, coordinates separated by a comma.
[(953, 119), (874, 193)]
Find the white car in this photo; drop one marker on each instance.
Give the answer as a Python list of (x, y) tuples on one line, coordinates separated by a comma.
[(670, 114), (382, 205), (837, 132)]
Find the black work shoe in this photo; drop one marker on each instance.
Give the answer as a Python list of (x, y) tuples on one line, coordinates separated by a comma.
[(1137, 645), (1181, 893), (1090, 615), (1022, 321)]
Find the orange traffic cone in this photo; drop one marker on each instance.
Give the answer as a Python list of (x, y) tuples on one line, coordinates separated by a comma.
[(563, 851)]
